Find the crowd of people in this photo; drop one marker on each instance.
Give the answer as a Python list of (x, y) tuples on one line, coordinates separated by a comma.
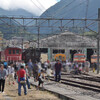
[(14, 72), (40, 71)]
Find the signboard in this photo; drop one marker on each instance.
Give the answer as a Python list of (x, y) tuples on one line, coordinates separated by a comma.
[(44, 57)]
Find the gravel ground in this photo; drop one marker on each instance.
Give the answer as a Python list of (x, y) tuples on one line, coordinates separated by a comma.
[(79, 91), (11, 93)]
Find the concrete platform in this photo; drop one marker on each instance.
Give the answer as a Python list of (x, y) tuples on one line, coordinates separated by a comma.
[(67, 92)]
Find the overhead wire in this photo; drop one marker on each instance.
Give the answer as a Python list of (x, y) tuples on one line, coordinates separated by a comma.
[(38, 7), (86, 14), (43, 7), (69, 10), (88, 17), (63, 8), (41, 4), (86, 10), (72, 8), (59, 10)]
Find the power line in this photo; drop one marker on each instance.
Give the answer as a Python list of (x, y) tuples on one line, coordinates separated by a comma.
[(43, 7), (86, 11), (41, 4), (73, 8), (63, 8), (88, 17), (38, 7)]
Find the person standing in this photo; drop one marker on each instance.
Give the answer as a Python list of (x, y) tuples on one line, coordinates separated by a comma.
[(21, 80), (87, 65), (35, 71), (11, 72), (58, 67), (27, 76), (23, 63), (64, 65), (3, 74), (30, 67)]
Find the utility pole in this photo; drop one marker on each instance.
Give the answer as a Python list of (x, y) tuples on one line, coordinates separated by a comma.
[(38, 37), (98, 41), (22, 44)]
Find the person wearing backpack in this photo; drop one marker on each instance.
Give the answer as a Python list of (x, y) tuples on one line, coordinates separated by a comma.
[(21, 80)]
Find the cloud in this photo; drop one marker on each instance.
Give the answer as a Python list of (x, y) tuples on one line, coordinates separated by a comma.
[(36, 7)]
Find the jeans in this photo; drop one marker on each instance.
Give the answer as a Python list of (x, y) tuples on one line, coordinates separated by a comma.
[(28, 83), (2, 84), (57, 76), (19, 88)]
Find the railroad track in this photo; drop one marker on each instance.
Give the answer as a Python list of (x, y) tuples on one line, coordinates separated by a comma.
[(88, 78), (79, 84), (83, 77)]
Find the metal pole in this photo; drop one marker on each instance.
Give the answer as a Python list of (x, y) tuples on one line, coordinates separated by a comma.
[(38, 37), (98, 41), (22, 44), (97, 55)]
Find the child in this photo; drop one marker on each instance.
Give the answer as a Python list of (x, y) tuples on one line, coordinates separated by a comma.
[(48, 72), (41, 77), (11, 73)]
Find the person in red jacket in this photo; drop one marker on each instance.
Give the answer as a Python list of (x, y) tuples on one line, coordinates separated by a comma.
[(21, 77)]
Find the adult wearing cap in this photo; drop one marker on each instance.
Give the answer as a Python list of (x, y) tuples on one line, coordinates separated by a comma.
[(3, 75)]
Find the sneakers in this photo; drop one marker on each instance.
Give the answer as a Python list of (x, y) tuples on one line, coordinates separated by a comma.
[(25, 94), (37, 88), (2, 92), (19, 94), (59, 81)]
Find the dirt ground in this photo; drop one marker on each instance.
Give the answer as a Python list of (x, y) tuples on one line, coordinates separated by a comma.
[(11, 93)]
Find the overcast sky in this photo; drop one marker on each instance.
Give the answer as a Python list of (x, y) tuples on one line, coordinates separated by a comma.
[(34, 6)]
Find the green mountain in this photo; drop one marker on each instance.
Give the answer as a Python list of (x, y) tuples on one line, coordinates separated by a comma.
[(13, 30), (73, 9)]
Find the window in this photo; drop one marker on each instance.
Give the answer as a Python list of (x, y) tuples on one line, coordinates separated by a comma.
[(76, 56), (9, 51), (57, 58), (17, 51), (79, 56), (82, 56), (63, 58), (60, 57), (94, 57), (13, 51)]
